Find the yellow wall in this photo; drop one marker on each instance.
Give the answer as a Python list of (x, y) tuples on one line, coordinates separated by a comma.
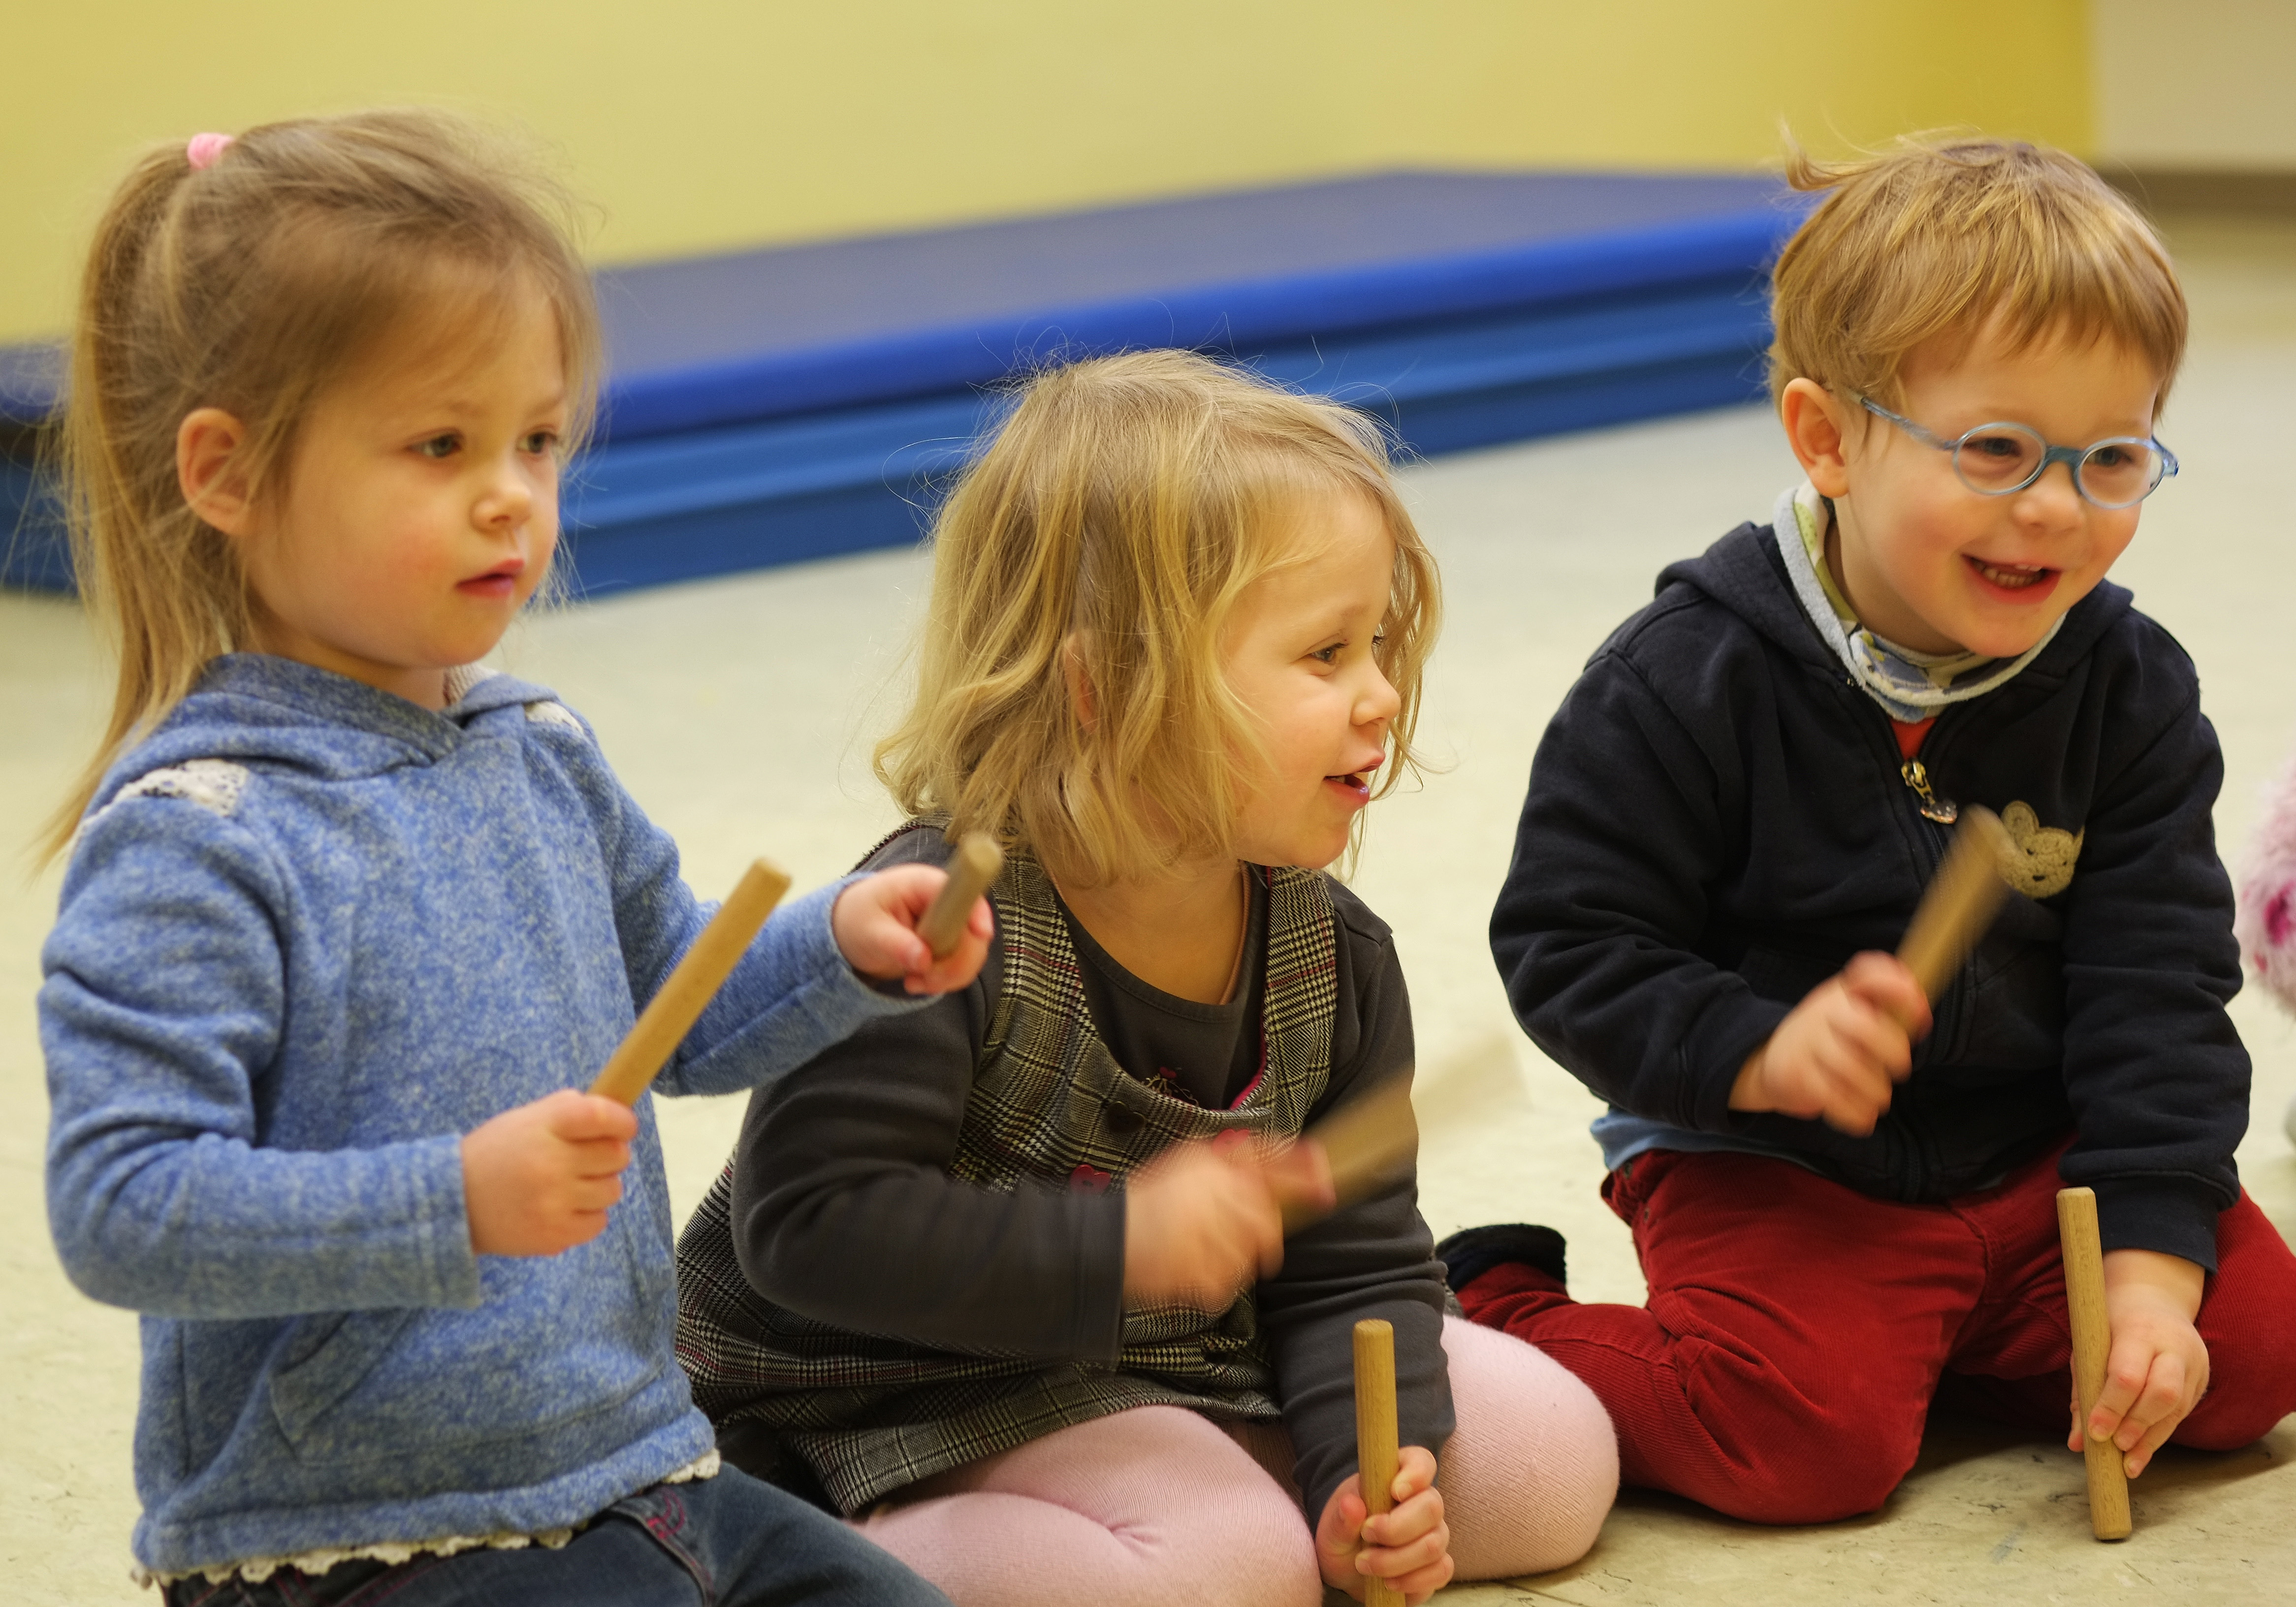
[(698, 124)]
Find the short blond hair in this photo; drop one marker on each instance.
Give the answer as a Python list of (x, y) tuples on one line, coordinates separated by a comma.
[(1120, 514), (1942, 236)]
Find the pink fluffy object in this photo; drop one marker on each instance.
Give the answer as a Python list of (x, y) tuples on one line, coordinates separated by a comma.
[(2266, 921)]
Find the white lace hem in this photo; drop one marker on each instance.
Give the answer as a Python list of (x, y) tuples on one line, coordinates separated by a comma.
[(256, 1569)]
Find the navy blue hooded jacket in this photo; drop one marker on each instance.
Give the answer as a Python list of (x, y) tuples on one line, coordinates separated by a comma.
[(1717, 823)]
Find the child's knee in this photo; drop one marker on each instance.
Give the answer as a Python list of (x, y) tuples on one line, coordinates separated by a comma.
[(1790, 1459), (1533, 1468), (2249, 1323), (1842, 1475), (2251, 1387)]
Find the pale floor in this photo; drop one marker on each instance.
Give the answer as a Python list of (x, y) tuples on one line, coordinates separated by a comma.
[(739, 713)]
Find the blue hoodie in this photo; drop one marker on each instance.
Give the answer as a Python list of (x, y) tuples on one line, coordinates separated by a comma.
[(310, 935)]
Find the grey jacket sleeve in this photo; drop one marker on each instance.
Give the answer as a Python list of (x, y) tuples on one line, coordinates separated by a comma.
[(1376, 1258), (843, 1208)]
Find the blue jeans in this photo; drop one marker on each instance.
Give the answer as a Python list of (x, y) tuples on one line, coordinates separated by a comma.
[(731, 1541)]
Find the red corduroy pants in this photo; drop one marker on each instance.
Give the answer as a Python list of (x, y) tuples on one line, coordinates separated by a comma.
[(1797, 1329)]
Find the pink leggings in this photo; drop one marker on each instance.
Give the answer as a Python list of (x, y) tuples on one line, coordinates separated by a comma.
[(1159, 1505)]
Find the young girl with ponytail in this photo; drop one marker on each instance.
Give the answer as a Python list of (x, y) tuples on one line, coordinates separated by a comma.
[(349, 922)]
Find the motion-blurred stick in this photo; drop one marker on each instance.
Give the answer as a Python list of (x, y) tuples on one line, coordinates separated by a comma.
[(1375, 1435), (2108, 1478), (1962, 900), (1373, 1141), (681, 999), (972, 870), (1370, 1141)]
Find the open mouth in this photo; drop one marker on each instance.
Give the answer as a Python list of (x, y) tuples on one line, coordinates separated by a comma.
[(499, 582), (1356, 784), (2013, 577)]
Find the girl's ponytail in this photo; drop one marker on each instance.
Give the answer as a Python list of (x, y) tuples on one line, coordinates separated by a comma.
[(251, 275), (169, 600)]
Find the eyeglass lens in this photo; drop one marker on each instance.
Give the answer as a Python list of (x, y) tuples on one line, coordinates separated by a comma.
[(2005, 457)]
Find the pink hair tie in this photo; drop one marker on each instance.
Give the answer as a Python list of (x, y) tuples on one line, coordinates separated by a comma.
[(203, 150)]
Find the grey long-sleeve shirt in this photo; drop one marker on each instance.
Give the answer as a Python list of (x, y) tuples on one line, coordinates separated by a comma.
[(844, 1210)]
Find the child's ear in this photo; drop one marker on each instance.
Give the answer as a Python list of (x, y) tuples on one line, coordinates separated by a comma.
[(1080, 680), (1812, 417), (210, 471)]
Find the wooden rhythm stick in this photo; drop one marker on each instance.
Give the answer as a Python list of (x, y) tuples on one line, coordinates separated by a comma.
[(1372, 1142), (972, 870), (670, 1014), (1375, 1435), (2108, 1477), (1368, 1144), (1962, 900)]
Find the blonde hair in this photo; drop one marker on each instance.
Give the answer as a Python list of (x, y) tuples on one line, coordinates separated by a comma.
[(253, 284), (1942, 236), (1119, 516)]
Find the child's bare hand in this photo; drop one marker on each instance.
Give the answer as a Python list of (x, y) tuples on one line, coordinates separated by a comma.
[(1841, 1051), (541, 1178), (1200, 1222), (875, 922), (2158, 1368), (1409, 1547)]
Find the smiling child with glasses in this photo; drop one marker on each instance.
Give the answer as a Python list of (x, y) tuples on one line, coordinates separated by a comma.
[(1842, 1202)]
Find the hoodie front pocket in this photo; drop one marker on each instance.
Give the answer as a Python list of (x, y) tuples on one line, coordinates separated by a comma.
[(329, 1357), (553, 1339)]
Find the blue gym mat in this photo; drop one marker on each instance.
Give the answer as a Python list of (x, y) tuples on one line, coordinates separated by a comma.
[(773, 406)]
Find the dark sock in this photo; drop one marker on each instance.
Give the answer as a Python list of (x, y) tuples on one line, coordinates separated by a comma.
[(1472, 1251)]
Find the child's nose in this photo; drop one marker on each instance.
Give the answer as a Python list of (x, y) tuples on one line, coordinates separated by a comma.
[(2054, 499), (507, 498), (1378, 701)]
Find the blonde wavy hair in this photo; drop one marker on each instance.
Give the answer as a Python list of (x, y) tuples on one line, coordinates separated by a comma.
[(302, 253), (1110, 530), (1940, 235)]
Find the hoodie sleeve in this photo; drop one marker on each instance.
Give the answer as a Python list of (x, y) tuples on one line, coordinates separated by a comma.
[(791, 996), (161, 1017), (2155, 1069), (1596, 927)]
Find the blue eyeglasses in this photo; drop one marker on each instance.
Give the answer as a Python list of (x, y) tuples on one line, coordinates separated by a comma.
[(1994, 460)]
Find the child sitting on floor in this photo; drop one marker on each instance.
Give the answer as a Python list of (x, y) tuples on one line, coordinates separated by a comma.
[(1005, 1280), (1844, 1205), (348, 923)]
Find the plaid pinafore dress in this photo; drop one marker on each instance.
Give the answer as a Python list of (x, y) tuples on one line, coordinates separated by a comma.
[(870, 1415)]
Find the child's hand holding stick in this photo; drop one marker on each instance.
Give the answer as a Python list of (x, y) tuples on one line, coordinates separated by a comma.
[(2108, 1483), (1389, 1515), (540, 1177), (972, 870), (1375, 1436), (1841, 1052)]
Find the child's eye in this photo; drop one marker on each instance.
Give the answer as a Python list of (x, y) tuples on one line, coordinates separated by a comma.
[(441, 446), (1328, 655), (540, 443)]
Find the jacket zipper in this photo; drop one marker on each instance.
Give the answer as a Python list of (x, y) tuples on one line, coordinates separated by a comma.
[(1938, 812), (1942, 810)]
